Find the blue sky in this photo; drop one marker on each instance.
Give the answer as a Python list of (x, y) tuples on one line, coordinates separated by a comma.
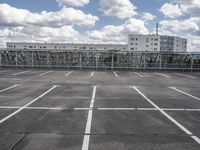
[(97, 21)]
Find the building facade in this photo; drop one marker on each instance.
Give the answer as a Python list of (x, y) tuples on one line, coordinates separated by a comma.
[(156, 43), (149, 43), (64, 46)]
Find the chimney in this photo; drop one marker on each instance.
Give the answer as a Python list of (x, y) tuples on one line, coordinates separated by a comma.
[(157, 26)]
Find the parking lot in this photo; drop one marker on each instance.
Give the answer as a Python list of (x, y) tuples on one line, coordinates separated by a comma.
[(99, 110)]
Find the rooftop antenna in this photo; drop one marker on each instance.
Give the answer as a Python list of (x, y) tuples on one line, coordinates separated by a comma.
[(157, 27)]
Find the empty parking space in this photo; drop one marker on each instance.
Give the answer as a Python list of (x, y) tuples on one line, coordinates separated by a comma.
[(98, 109)]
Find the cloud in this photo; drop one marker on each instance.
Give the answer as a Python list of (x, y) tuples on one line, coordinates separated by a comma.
[(78, 3), (118, 34), (170, 10), (148, 16), (65, 16), (118, 8)]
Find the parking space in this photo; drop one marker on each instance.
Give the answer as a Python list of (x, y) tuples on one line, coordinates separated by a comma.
[(98, 110)]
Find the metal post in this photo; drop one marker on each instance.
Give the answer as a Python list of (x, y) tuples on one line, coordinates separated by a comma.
[(0, 58), (32, 61), (80, 60), (16, 59), (160, 67), (97, 55), (47, 58), (192, 63), (112, 62), (144, 61)]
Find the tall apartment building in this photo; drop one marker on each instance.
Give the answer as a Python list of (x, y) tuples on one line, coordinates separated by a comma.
[(156, 43)]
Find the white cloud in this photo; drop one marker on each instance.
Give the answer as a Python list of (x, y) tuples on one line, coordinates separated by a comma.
[(65, 16), (118, 8), (118, 34), (171, 11), (73, 2), (148, 16)]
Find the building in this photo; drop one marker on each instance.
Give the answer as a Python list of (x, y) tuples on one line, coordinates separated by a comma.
[(64, 46), (156, 43), (150, 43)]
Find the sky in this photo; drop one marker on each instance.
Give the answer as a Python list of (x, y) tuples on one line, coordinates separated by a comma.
[(97, 21)]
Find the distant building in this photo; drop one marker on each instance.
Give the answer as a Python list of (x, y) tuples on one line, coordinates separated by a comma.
[(151, 43), (64, 46), (156, 43)]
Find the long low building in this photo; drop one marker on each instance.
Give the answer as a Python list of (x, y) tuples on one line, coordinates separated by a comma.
[(149, 43)]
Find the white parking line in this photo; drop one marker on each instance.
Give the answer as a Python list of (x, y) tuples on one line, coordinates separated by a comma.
[(139, 74), (45, 73), (115, 73), (68, 73), (174, 88), (86, 139), (36, 108), (9, 88), (4, 71), (151, 109), (163, 75), (185, 75), (168, 116), (26, 105), (82, 108), (92, 74), (21, 73), (116, 108)]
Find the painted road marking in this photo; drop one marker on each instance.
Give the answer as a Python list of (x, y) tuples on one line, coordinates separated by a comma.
[(9, 88), (45, 73), (151, 109), (185, 75), (174, 88), (86, 139), (168, 116), (68, 73), (116, 108), (139, 74), (4, 71), (163, 75), (92, 74), (115, 73), (21, 73), (26, 105), (36, 108)]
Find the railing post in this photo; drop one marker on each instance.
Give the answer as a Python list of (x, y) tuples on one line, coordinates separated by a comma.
[(160, 67), (80, 60), (97, 61), (112, 62), (0, 58), (192, 63), (32, 61), (144, 66), (16, 59)]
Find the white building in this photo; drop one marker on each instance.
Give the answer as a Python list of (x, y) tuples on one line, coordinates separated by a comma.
[(64, 46), (151, 43), (156, 43)]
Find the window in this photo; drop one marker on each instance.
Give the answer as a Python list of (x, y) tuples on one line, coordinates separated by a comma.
[(155, 44), (44, 47), (132, 48), (136, 39), (132, 39), (10, 46), (83, 47), (155, 49), (30, 46), (147, 39), (135, 43), (156, 39), (147, 45)]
